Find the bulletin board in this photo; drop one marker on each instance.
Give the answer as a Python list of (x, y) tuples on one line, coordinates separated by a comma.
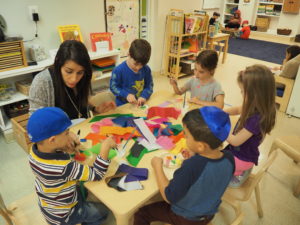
[(212, 4), (122, 20)]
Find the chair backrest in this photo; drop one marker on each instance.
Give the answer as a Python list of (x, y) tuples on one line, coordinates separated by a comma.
[(255, 178), (288, 87)]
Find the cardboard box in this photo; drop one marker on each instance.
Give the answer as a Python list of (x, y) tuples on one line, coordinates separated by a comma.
[(19, 127), (23, 86)]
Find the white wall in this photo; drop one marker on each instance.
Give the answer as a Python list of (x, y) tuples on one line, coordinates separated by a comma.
[(89, 15)]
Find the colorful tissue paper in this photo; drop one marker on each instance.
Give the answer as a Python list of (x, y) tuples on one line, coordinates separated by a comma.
[(98, 118), (180, 145), (125, 121), (105, 122), (163, 112), (79, 157), (97, 148), (96, 138), (176, 138), (165, 142), (133, 174), (118, 130)]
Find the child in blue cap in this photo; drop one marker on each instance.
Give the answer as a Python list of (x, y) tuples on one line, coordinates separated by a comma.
[(57, 175), (194, 194)]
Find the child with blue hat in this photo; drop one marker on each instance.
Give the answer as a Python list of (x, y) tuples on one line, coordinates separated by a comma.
[(57, 175), (194, 194)]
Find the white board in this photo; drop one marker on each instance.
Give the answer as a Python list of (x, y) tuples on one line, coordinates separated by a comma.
[(211, 4)]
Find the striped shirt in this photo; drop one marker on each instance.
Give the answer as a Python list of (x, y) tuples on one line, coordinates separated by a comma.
[(56, 176)]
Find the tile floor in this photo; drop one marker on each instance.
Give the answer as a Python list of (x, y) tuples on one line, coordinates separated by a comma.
[(279, 205)]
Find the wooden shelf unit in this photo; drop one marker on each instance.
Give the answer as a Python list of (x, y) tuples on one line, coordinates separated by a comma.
[(175, 35)]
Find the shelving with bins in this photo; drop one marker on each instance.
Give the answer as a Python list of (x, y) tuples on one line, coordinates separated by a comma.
[(11, 76), (176, 35), (229, 7)]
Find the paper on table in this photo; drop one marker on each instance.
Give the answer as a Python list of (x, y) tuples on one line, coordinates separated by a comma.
[(145, 130), (181, 144), (165, 142), (149, 146), (129, 186)]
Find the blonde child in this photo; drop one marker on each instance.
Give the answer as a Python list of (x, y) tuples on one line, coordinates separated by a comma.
[(56, 175), (205, 90), (194, 194), (257, 118)]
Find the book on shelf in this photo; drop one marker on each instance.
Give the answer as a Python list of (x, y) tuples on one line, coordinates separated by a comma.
[(101, 42), (69, 32), (188, 24), (194, 23)]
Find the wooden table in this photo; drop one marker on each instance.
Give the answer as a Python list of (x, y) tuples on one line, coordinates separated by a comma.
[(124, 204), (218, 38)]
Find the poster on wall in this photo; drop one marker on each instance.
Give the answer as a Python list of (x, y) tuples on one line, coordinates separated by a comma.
[(122, 21)]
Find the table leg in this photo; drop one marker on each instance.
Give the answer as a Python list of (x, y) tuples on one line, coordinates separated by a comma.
[(123, 219), (225, 50)]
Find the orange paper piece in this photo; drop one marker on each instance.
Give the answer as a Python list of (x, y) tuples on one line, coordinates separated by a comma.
[(96, 138), (118, 130), (176, 138)]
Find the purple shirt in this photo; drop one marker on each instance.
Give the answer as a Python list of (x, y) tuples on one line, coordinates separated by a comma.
[(248, 151)]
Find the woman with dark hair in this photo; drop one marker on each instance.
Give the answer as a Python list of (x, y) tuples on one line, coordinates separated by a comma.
[(67, 84)]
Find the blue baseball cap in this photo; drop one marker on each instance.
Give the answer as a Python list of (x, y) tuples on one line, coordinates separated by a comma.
[(217, 121), (47, 122)]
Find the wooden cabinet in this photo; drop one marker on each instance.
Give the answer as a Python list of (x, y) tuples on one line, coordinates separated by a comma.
[(291, 6)]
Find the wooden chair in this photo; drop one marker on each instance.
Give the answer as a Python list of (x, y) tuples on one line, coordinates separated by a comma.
[(288, 87), (23, 212), (290, 145), (234, 196)]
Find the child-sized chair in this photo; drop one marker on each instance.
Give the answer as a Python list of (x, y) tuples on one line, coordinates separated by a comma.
[(234, 195), (288, 87), (24, 211), (290, 145)]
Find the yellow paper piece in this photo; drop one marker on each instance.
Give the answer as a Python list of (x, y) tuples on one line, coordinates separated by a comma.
[(181, 144)]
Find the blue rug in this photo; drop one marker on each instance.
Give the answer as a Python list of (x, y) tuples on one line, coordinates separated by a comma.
[(262, 50)]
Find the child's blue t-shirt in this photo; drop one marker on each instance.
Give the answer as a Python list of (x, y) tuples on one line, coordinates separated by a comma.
[(197, 187), (124, 81)]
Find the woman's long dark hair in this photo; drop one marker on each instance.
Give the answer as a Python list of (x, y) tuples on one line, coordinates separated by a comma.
[(77, 52)]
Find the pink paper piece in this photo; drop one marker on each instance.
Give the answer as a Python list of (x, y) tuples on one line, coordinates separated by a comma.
[(164, 104), (156, 122), (104, 122), (165, 142)]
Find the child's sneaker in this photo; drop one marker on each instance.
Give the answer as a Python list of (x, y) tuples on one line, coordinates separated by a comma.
[(237, 181)]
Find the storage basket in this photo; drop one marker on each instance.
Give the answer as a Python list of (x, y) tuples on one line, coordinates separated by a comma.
[(284, 31), (262, 23), (19, 127)]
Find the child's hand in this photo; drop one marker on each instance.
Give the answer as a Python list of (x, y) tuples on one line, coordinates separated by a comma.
[(105, 107), (141, 101), (187, 154), (109, 143), (73, 144), (156, 162), (131, 99), (173, 81)]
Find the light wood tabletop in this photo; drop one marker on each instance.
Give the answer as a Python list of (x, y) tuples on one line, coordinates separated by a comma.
[(125, 204)]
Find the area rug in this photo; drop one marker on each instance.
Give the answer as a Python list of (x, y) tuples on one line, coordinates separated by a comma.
[(257, 49)]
